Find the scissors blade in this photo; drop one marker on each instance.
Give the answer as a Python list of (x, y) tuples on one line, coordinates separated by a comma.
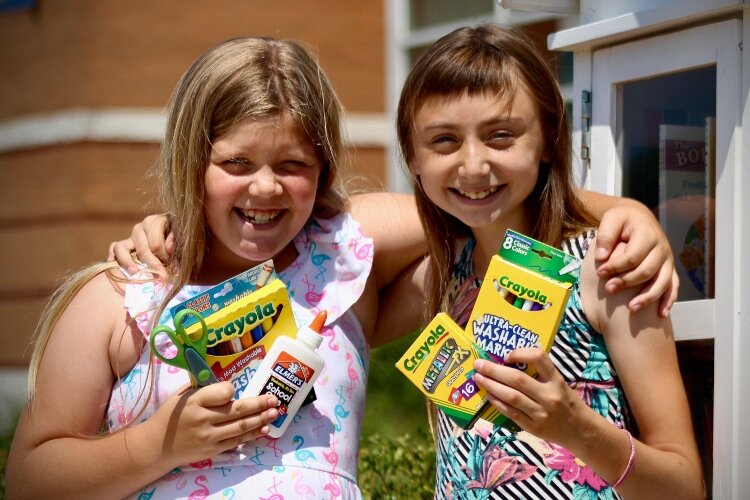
[(199, 369)]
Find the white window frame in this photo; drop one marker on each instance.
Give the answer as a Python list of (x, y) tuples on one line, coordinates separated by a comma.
[(721, 318)]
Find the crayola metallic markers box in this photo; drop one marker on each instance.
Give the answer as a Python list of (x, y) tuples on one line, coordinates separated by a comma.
[(440, 363), (522, 298)]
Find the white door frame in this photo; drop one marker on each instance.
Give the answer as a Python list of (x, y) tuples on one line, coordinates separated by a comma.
[(712, 44)]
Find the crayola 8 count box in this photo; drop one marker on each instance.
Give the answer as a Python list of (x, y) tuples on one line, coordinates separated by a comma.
[(521, 300), (440, 363)]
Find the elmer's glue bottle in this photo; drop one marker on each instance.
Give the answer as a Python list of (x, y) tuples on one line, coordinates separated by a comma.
[(288, 372)]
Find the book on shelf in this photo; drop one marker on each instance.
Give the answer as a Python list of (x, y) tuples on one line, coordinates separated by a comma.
[(686, 180)]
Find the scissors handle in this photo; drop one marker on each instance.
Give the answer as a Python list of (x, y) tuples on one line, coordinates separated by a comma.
[(191, 353), (179, 359), (199, 343), (199, 368)]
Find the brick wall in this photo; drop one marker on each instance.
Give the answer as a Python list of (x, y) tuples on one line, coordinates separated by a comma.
[(61, 204)]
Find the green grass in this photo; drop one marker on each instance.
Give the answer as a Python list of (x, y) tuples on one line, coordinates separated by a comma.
[(394, 406)]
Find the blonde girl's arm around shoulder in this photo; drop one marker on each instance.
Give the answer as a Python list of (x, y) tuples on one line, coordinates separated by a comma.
[(666, 463), (59, 451)]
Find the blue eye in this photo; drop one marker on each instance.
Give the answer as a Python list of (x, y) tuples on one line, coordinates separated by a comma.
[(500, 134), (442, 139)]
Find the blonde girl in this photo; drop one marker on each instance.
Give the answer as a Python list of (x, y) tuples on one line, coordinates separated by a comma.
[(248, 169)]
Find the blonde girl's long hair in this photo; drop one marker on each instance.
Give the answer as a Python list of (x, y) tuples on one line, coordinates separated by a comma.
[(238, 79), (496, 60)]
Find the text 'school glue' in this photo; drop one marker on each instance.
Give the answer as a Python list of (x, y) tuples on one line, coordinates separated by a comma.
[(289, 371)]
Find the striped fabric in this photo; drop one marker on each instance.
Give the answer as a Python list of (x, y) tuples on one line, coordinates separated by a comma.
[(505, 462)]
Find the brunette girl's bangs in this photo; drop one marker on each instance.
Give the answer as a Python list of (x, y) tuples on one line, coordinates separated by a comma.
[(478, 68)]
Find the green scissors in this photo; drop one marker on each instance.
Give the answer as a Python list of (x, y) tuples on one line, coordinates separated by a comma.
[(191, 354)]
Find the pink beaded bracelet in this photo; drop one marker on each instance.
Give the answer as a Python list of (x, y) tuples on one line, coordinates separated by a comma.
[(631, 461)]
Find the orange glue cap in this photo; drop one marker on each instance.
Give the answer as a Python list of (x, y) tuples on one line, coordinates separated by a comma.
[(317, 324)]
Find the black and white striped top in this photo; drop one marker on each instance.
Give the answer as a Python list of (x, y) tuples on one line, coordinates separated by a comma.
[(501, 461)]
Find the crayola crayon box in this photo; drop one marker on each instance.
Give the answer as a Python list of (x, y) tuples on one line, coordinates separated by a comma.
[(440, 362), (522, 298), (242, 323)]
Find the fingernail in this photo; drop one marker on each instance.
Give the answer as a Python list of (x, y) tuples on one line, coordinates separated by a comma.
[(601, 253), (478, 378), (611, 287), (635, 307), (265, 429), (478, 364)]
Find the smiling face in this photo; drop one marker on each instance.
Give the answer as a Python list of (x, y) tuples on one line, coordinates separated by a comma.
[(261, 183), (478, 158)]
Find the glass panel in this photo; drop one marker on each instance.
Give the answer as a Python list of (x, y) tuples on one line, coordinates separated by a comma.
[(668, 155), (565, 68), (430, 12)]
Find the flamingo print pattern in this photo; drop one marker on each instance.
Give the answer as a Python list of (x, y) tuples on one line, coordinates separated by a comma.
[(317, 456)]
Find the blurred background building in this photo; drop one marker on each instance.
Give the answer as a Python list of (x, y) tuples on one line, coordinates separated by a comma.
[(82, 94)]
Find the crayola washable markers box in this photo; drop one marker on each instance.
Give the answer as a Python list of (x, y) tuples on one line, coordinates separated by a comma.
[(440, 362), (227, 291), (522, 299), (233, 353)]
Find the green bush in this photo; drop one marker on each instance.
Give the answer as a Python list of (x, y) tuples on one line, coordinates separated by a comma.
[(397, 455), (398, 468), (5, 440)]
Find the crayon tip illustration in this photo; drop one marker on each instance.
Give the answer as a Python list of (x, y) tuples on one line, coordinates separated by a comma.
[(264, 274), (320, 320), (570, 267), (268, 323), (502, 291)]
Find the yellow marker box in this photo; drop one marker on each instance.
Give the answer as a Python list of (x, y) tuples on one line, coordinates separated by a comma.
[(521, 301), (440, 363), (232, 354)]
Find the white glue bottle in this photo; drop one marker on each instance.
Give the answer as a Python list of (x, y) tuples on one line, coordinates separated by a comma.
[(289, 371)]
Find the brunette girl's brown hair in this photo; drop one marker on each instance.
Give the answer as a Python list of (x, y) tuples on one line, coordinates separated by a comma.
[(496, 60)]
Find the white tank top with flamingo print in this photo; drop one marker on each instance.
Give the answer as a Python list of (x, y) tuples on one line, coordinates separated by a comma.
[(317, 456)]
